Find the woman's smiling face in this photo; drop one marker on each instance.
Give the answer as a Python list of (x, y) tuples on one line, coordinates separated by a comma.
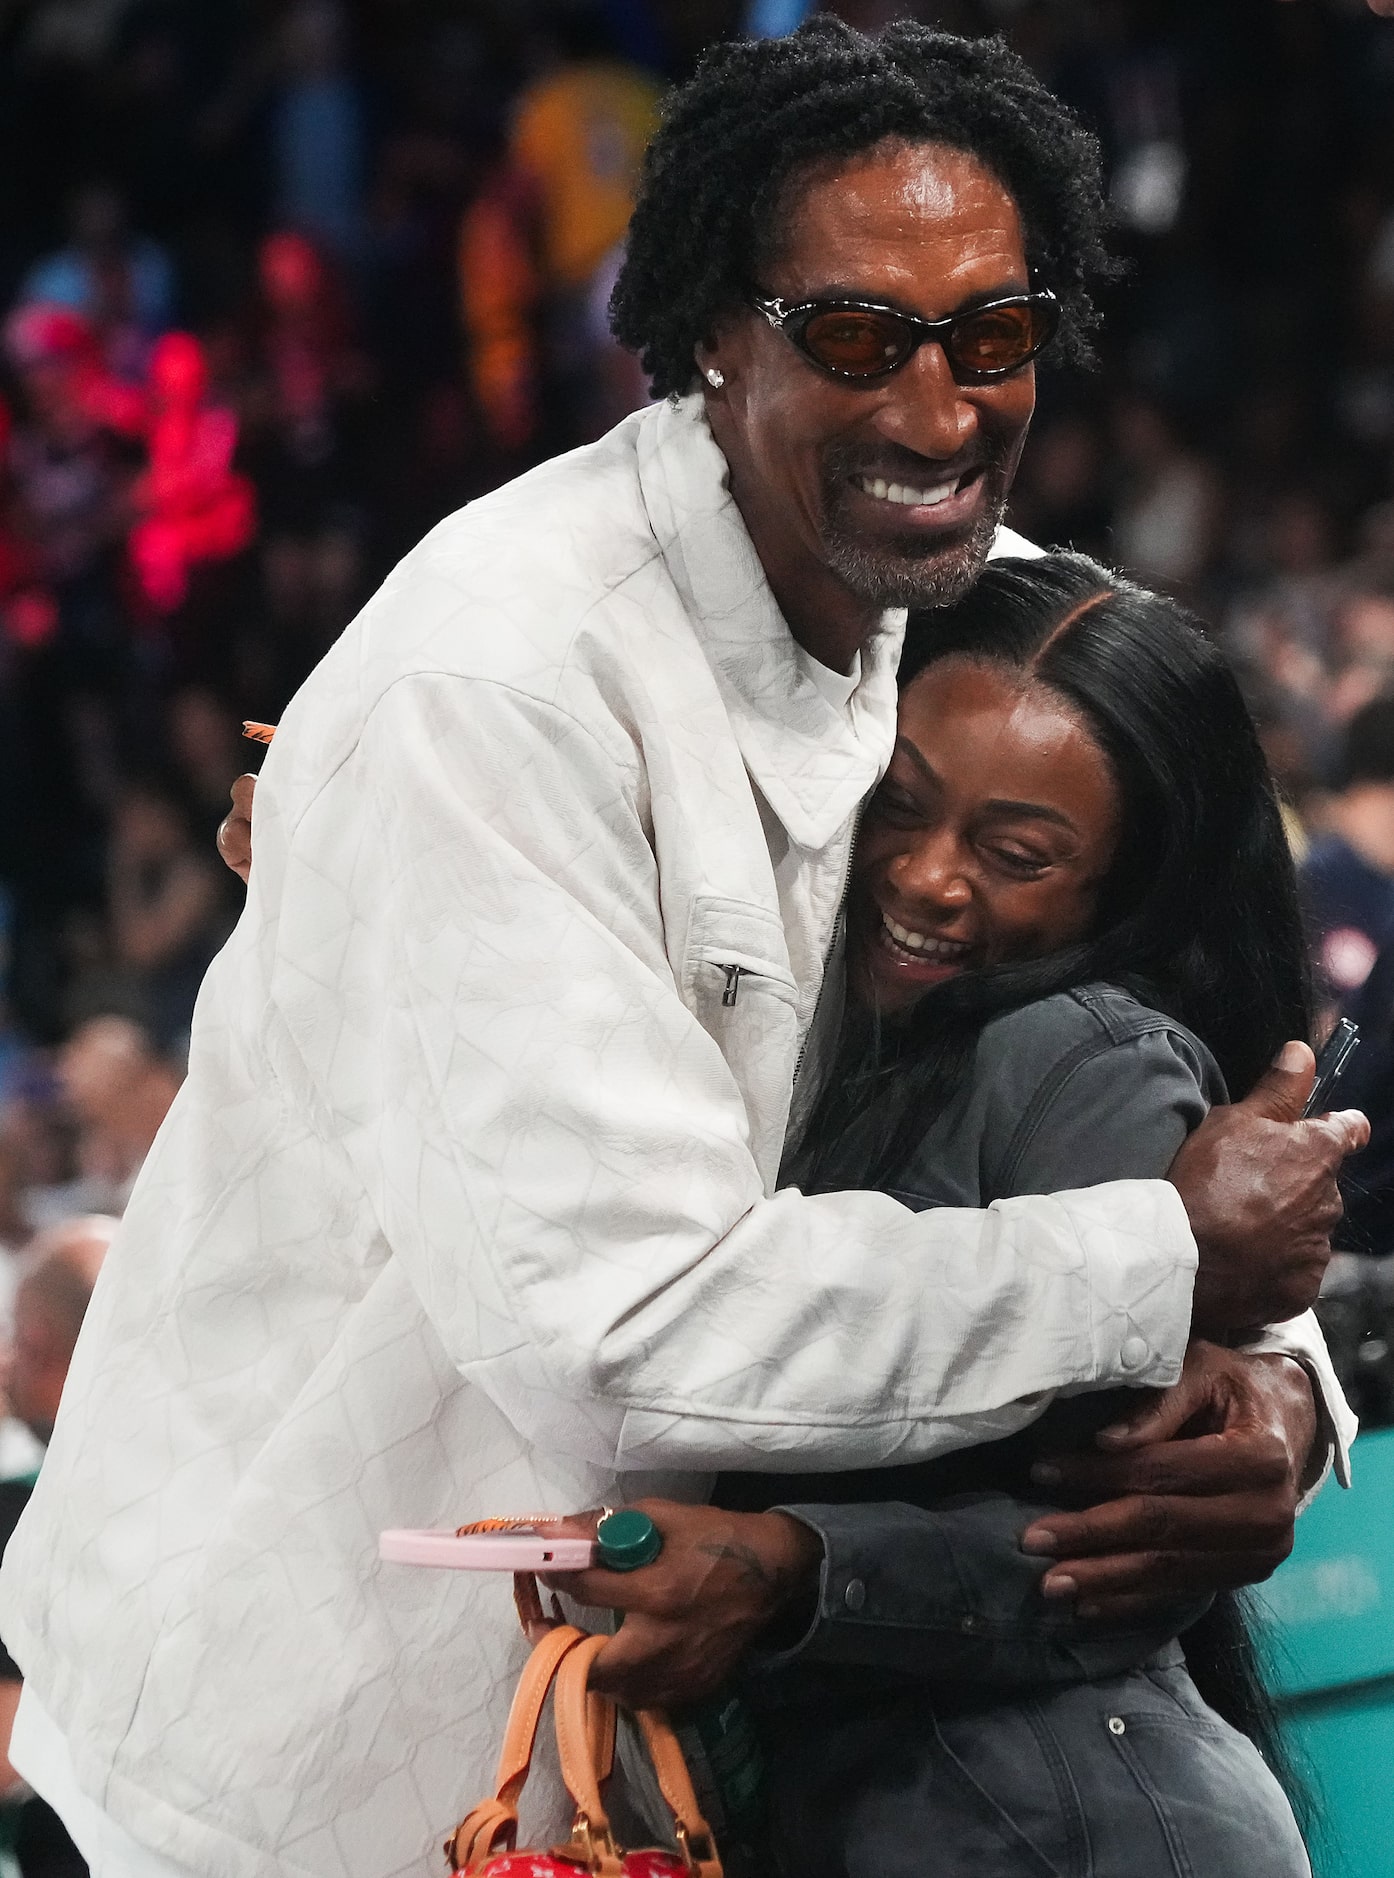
[(988, 838)]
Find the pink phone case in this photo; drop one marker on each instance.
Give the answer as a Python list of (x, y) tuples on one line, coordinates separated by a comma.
[(487, 1551)]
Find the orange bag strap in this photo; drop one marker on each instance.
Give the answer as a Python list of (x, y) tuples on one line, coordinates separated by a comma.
[(601, 1717), (675, 1784), (478, 1834), (586, 1749), (480, 1831), (515, 1756), (585, 1770)]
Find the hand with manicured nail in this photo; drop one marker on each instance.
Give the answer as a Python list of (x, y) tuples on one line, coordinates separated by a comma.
[(690, 1616)]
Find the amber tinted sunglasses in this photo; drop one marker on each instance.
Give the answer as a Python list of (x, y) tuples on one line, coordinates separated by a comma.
[(860, 339)]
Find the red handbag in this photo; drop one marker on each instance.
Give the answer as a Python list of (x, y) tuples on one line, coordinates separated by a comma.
[(485, 1841)]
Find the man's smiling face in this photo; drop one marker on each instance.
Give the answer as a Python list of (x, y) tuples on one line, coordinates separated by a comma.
[(883, 493)]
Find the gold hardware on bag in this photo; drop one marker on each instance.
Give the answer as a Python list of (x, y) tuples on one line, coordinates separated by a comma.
[(587, 1846), (705, 1851)]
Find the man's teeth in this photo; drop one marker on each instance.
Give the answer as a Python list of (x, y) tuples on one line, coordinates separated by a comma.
[(906, 493), (921, 942)]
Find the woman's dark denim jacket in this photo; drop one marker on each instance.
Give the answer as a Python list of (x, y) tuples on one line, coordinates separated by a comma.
[(937, 1708), (922, 1571)]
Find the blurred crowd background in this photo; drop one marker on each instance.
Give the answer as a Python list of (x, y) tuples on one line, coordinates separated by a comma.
[(282, 282)]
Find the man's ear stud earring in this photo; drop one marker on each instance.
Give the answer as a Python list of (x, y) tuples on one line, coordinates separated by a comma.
[(715, 377)]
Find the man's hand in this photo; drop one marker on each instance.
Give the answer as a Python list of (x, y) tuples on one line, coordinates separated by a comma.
[(1259, 1186), (235, 832), (720, 1580), (1199, 1489)]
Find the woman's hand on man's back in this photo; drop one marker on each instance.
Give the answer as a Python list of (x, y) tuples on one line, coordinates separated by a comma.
[(1259, 1187)]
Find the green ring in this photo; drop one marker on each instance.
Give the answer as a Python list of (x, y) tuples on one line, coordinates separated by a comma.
[(627, 1540)]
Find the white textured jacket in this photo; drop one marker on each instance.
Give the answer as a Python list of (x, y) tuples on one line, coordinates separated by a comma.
[(468, 1204)]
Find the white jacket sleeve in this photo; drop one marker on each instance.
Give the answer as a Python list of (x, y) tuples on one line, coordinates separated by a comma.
[(1301, 1339), (471, 981)]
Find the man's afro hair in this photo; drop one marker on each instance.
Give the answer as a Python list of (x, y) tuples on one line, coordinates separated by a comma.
[(756, 112)]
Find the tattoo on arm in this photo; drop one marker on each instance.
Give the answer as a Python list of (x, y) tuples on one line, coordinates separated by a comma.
[(751, 1567)]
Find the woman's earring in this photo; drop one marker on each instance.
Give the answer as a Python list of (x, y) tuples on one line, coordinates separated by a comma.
[(715, 377)]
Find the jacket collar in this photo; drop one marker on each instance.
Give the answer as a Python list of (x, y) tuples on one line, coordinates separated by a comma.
[(813, 763)]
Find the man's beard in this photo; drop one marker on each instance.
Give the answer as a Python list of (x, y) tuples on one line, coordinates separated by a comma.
[(910, 570)]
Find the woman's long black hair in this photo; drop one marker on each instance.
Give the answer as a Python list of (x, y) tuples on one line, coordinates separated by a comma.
[(1198, 916)]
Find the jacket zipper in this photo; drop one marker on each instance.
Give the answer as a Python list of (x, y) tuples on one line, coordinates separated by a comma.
[(734, 973)]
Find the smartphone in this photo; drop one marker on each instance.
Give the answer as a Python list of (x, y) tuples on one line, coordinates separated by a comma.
[(1336, 1052), (487, 1551)]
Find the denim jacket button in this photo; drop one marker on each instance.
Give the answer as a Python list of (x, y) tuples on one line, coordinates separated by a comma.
[(1116, 1725), (854, 1597)]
